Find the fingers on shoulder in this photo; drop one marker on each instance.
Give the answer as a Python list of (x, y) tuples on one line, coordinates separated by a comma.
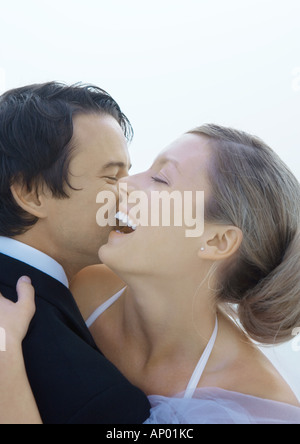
[(26, 294)]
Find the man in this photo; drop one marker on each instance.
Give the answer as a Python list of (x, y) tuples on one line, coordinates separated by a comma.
[(59, 147)]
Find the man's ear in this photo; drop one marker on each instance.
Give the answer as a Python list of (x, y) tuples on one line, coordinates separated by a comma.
[(29, 201), (220, 242)]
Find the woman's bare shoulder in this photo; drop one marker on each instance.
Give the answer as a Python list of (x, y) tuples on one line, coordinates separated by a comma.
[(245, 368), (255, 375), (92, 286)]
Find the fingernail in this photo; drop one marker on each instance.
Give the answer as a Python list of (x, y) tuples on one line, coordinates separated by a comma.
[(25, 279)]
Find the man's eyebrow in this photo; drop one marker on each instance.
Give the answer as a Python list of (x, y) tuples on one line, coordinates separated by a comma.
[(113, 164)]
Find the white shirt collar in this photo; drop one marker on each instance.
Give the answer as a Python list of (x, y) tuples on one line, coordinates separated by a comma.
[(35, 258)]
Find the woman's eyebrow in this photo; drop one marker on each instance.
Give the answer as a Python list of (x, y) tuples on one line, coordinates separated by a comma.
[(164, 160)]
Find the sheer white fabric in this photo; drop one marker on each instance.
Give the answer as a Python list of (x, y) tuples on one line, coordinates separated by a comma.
[(211, 405), (217, 406)]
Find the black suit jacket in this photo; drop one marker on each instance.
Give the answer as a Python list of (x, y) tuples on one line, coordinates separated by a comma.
[(73, 383)]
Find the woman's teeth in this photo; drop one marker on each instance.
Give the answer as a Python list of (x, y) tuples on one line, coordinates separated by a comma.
[(124, 218)]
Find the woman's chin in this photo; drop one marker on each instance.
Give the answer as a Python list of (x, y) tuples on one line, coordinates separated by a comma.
[(116, 250)]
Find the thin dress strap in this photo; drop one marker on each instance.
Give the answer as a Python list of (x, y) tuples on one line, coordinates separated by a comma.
[(100, 310), (195, 379)]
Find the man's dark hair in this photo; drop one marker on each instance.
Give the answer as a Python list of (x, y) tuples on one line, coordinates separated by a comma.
[(36, 128)]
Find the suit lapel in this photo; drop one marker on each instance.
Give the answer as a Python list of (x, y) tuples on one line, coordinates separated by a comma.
[(47, 288)]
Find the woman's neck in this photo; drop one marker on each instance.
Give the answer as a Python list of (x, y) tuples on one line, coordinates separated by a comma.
[(167, 318)]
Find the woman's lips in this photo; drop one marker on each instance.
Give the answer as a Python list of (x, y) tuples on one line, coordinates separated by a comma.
[(126, 220)]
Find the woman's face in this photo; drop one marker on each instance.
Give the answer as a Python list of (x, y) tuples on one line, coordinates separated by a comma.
[(160, 244)]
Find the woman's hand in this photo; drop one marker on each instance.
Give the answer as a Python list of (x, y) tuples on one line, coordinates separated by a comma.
[(16, 317), (17, 403)]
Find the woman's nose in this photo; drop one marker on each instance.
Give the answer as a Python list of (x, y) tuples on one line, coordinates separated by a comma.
[(125, 187), (130, 190), (131, 183)]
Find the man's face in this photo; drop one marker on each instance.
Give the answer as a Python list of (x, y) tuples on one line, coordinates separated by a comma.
[(99, 160)]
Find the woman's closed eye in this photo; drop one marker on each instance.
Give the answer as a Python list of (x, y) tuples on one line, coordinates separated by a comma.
[(159, 180)]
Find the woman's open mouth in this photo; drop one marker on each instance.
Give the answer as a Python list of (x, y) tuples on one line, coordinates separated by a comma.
[(127, 225)]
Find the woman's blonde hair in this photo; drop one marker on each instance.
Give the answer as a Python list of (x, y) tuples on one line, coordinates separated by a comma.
[(254, 190)]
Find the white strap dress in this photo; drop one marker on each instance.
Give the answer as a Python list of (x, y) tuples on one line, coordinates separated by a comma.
[(210, 405)]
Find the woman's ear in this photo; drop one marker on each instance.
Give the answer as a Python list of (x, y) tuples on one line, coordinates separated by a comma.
[(29, 201), (220, 242)]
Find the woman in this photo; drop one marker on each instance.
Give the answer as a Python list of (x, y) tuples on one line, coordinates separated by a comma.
[(165, 303)]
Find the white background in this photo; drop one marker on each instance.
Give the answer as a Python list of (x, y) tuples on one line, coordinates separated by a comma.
[(171, 64)]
